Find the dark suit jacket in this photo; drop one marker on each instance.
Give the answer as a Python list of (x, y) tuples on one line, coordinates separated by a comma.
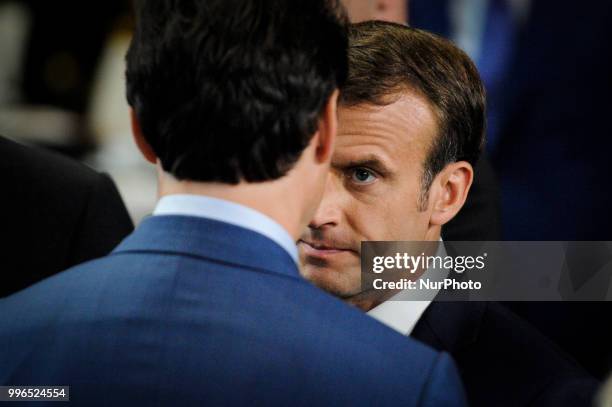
[(503, 361), (54, 213), (191, 311)]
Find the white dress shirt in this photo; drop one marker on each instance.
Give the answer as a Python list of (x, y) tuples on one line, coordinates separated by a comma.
[(402, 314), (228, 212)]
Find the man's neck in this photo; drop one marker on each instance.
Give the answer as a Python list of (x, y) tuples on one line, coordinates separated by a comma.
[(269, 198), (433, 234)]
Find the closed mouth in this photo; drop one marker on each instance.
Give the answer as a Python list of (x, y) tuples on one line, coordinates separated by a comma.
[(320, 249)]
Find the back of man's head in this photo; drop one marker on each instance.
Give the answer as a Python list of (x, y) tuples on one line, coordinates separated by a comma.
[(232, 90)]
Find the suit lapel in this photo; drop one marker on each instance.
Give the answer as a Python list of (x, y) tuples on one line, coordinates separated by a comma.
[(450, 326)]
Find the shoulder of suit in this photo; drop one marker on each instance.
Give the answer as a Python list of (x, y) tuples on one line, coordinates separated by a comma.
[(39, 166)]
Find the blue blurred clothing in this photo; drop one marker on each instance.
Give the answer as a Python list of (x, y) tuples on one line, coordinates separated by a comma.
[(193, 311), (497, 51), (467, 19), (487, 31), (553, 132)]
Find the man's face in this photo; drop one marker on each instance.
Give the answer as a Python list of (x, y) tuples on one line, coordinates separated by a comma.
[(373, 190)]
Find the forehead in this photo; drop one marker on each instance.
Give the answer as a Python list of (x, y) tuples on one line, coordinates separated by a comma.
[(402, 130)]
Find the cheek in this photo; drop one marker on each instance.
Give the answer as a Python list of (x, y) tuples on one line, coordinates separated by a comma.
[(386, 212), (411, 227), (393, 218), (366, 221), (380, 220)]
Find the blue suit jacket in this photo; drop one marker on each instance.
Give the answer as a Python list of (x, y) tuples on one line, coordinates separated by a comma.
[(193, 311)]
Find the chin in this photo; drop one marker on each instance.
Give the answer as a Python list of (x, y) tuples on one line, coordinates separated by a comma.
[(342, 284)]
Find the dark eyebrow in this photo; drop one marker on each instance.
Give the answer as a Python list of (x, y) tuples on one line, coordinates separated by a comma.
[(368, 161)]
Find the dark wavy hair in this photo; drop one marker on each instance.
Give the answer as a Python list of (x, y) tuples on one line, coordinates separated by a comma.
[(232, 90), (386, 59)]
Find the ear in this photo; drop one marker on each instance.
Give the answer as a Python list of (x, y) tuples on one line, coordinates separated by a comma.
[(141, 142), (328, 126), (449, 191)]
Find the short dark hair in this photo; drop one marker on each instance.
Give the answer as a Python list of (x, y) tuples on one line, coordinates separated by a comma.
[(386, 59), (232, 90)]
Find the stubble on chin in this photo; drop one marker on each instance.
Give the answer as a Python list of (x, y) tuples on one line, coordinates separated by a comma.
[(333, 282)]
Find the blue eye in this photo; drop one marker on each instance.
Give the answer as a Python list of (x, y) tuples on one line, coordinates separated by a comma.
[(362, 176)]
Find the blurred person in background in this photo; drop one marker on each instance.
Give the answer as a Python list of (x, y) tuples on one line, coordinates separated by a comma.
[(546, 67), (235, 103), (62, 87), (55, 213), (50, 51), (60, 213), (411, 127), (547, 72)]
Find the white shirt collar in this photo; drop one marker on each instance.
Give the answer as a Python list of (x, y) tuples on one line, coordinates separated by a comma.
[(401, 314), (228, 212)]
